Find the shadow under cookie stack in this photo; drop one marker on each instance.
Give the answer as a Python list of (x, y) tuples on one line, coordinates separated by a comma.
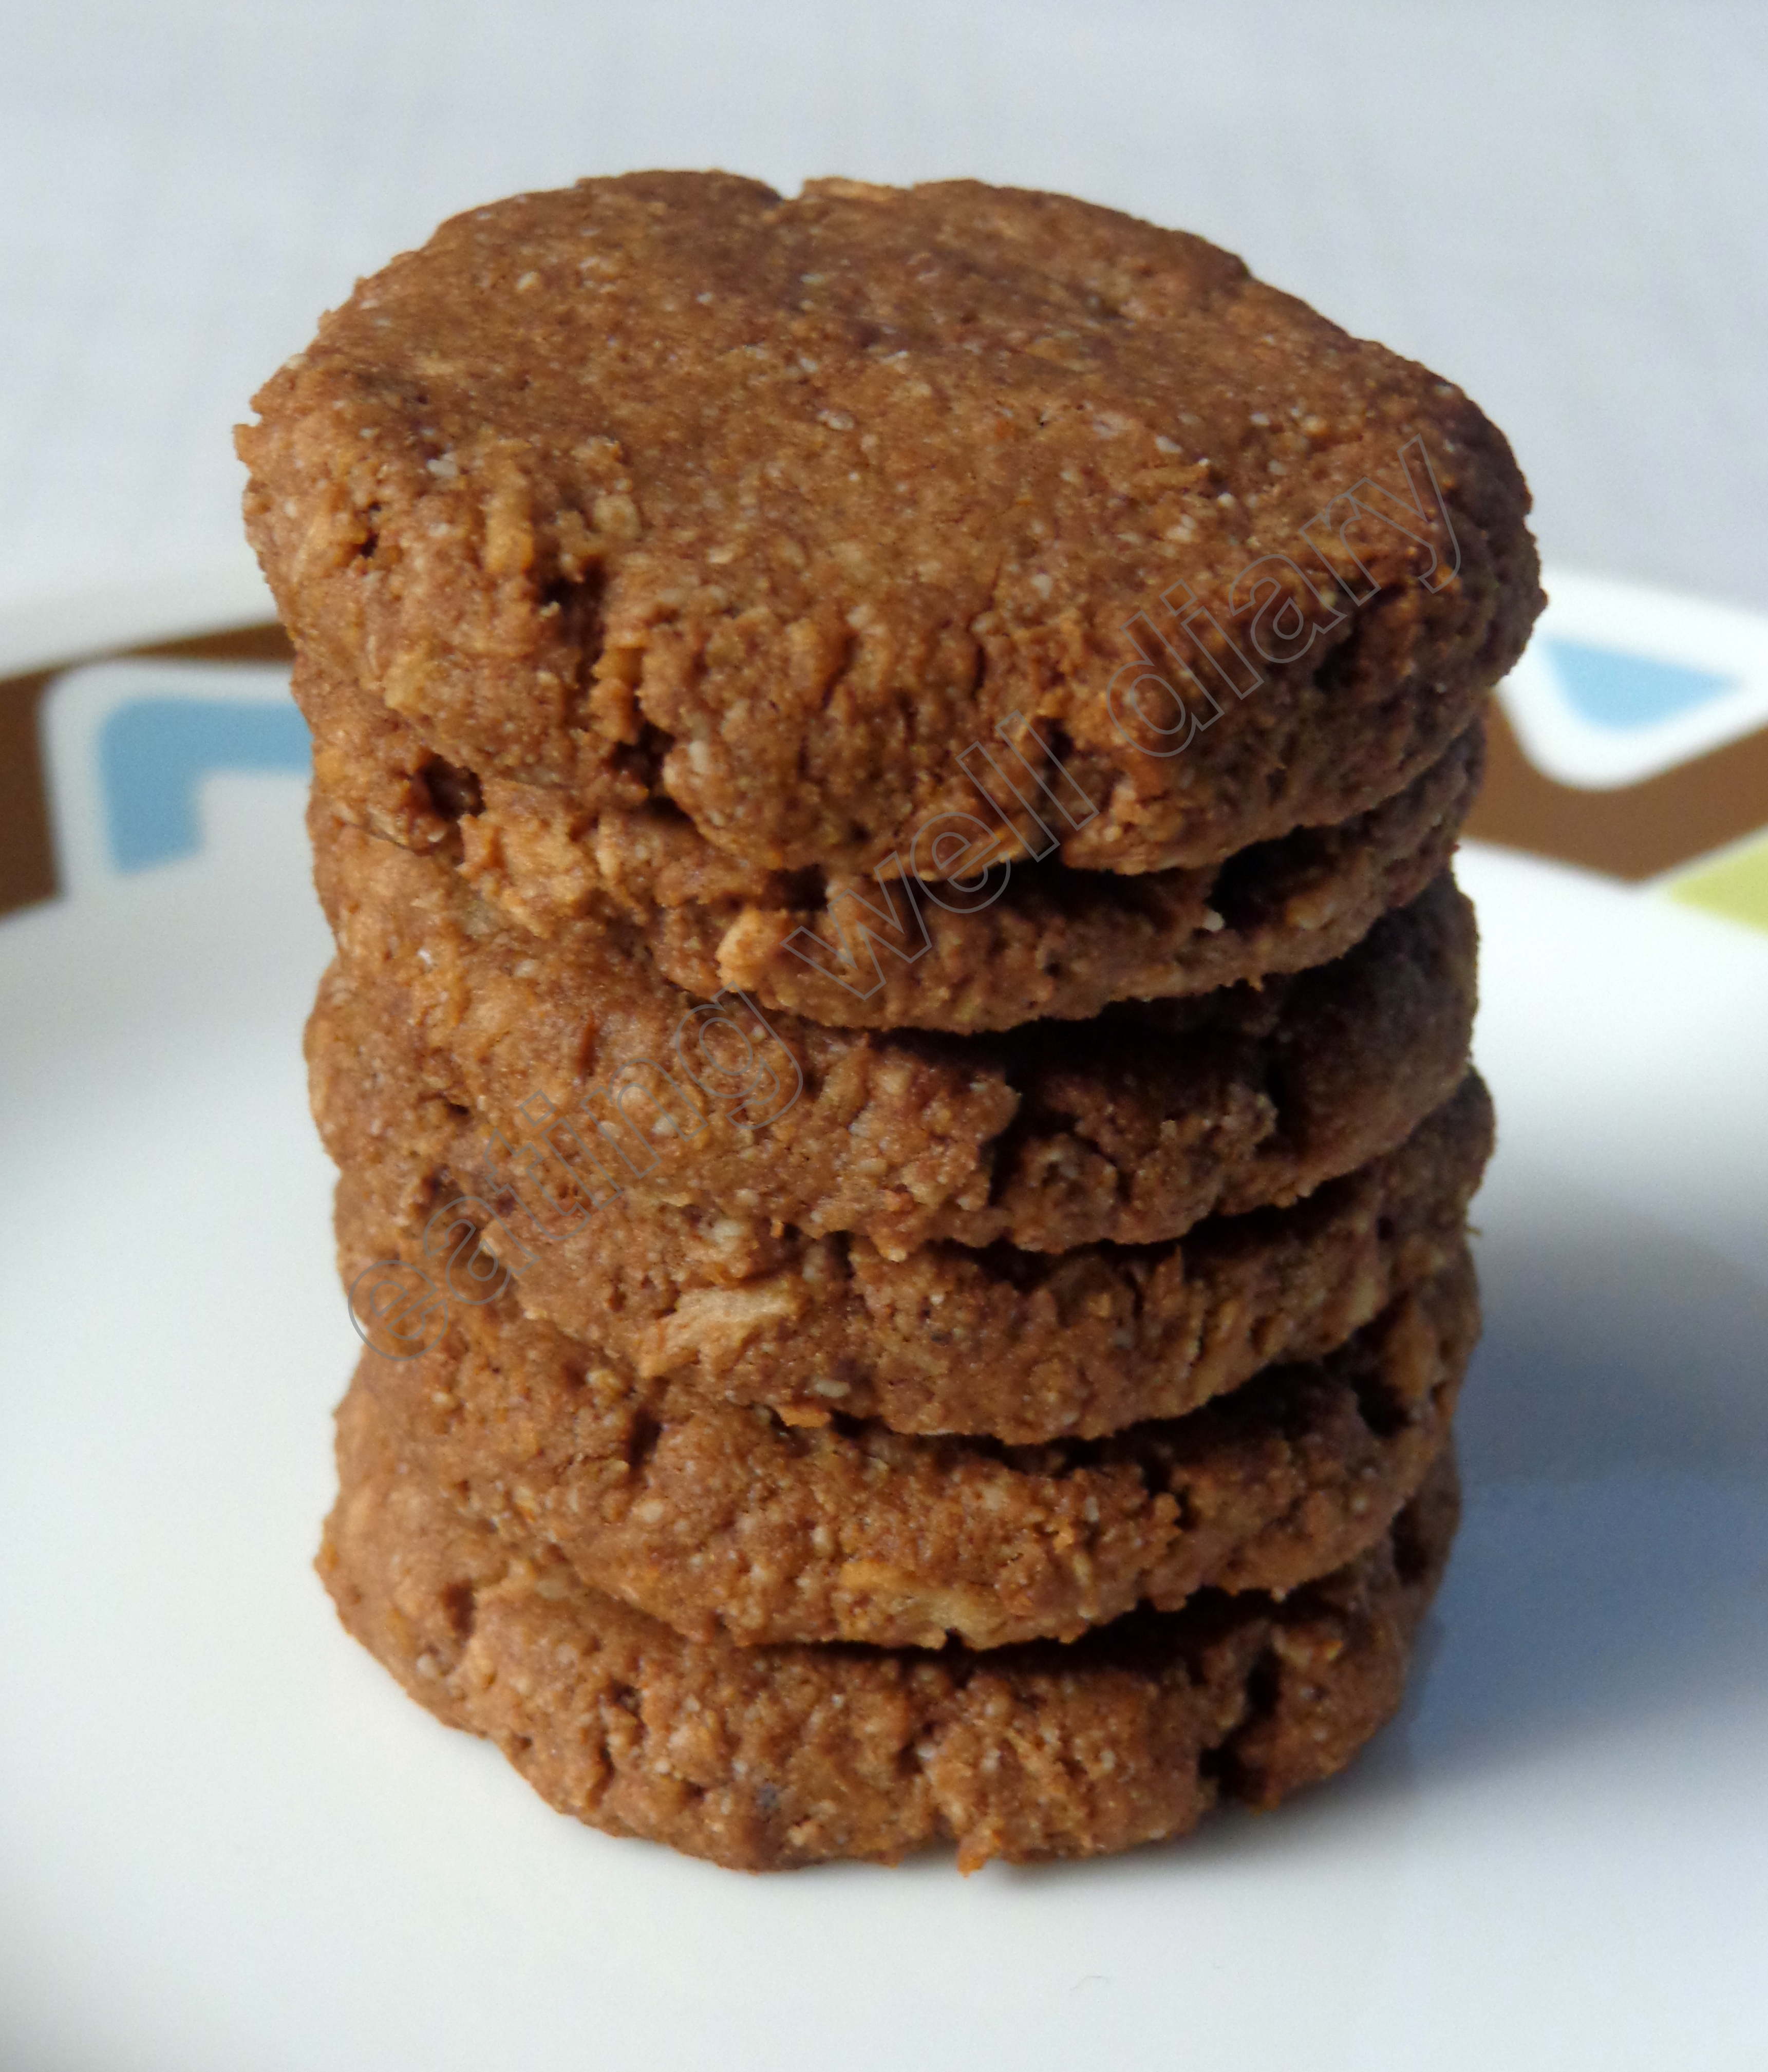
[(885, 768)]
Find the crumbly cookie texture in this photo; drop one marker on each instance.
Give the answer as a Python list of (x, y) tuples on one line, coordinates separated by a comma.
[(766, 1758), (667, 490), (716, 1518), (862, 953), (1127, 1129), (1025, 1346)]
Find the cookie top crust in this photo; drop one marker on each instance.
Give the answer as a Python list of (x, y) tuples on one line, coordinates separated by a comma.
[(667, 489)]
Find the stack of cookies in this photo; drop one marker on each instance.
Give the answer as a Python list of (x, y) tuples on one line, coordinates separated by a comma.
[(886, 771)]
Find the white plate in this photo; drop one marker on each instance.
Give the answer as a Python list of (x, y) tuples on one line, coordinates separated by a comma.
[(227, 1841)]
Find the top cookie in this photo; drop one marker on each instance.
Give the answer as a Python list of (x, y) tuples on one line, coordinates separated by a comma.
[(841, 522)]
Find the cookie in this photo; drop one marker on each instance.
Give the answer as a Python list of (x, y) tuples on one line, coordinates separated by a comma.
[(765, 1758), (1128, 1129), (821, 521), (1054, 943), (1023, 1346), (714, 1517)]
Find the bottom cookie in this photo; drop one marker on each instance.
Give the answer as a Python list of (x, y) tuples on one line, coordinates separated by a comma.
[(764, 1758)]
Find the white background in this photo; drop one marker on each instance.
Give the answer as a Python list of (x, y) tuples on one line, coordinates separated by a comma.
[(1560, 206)]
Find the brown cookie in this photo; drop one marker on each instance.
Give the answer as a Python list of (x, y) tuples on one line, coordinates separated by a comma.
[(1129, 1128), (715, 1517), (1024, 1346), (764, 1758), (821, 519), (1052, 942)]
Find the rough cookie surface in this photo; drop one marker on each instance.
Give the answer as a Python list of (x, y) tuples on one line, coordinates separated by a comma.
[(717, 1518), (1025, 1347), (1056, 942), (1127, 1129), (765, 1758), (667, 490)]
